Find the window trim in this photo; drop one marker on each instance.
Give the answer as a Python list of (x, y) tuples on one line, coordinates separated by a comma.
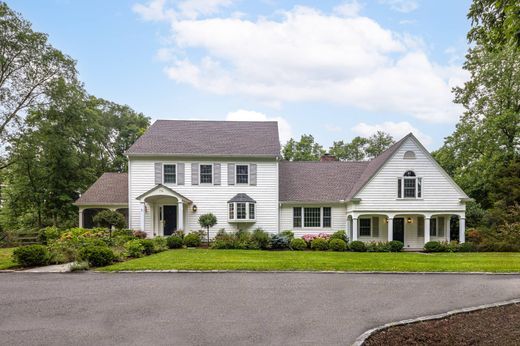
[(436, 230), (359, 227), (248, 174), (235, 212), (302, 217), (401, 188), (212, 173), (164, 175)]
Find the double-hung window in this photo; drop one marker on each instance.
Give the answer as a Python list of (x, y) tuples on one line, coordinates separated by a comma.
[(409, 186), (365, 227), (312, 217), (170, 174), (206, 174), (242, 174), (242, 211)]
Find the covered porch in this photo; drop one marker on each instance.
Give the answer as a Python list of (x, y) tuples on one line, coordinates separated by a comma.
[(162, 211), (414, 229)]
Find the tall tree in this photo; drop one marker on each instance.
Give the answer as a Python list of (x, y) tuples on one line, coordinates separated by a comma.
[(28, 66), (361, 148), (306, 149), (483, 152)]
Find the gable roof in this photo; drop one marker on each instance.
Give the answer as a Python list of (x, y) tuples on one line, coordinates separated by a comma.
[(109, 189), (241, 197), (209, 138), (329, 181), (161, 186)]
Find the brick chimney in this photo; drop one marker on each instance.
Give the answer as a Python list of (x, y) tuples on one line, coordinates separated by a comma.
[(328, 158)]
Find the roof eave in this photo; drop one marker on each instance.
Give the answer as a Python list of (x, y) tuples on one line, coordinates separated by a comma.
[(262, 156)]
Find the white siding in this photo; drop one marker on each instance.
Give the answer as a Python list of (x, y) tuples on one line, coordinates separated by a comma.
[(208, 198), (438, 192), (338, 222)]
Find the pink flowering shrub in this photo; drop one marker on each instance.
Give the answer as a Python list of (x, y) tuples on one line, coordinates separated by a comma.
[(310, 237)]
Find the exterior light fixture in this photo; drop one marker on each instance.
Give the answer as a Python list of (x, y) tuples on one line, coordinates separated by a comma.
[(194, 208), (386, 220), (409, 220)]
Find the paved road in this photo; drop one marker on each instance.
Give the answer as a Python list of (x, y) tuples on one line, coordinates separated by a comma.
[(226, 309)]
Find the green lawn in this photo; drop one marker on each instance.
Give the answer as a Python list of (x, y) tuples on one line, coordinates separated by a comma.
[(5, 258), (201, 259)]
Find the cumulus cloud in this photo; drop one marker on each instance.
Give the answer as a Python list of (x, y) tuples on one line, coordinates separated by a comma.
[(307, 55), (397, 129), (284, 128)]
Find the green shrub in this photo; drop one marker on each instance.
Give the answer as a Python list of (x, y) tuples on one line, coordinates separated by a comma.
[(337, 244), (377, 246), (109, 219), (121, 240), (174, 242), (319, 244), (288, 234), (192, 240), (467, 247), (340, 235), (357, 246), (123, 232), (31, 256), (160, 244), (62, 252), (499, 246), (48, 234), (97, 256), (279, 242), (134, 248), (139, 234), (396, 245), (298, 244), (434, 246), (260, 238), (148, 246)]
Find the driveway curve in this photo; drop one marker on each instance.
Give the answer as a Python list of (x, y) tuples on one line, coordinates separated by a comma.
[(227, 308)]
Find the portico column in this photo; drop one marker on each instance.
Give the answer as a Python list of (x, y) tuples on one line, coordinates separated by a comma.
[(142, 216), (80, 224), (462, 229), (390, 228), (447, 227), (426, 229), (354, 229), (180, 209)]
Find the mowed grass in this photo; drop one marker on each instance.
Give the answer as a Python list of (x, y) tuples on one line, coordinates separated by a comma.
[(6, 261), (203, 259)]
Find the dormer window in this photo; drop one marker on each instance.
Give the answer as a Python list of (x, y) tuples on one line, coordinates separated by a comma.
[(409, 186)]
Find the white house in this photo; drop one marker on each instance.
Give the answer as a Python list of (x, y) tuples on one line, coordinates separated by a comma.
[(179, 170)]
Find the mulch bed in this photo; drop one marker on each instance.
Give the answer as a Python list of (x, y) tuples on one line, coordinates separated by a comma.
[(493, 326)]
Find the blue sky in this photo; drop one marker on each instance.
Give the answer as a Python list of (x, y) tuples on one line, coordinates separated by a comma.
[(334, 69)]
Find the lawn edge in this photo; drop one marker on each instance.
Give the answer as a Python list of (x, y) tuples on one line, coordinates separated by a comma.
[(188, 271), (363, 337)]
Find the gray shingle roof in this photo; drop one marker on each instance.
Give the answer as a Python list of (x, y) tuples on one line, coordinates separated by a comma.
[(241, 197), (110, 188), (329, 181), (209, 138)]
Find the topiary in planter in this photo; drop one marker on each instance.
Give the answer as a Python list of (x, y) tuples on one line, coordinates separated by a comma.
[(434, 246), (357, 246), (337, 245), (319, 244), (192, 240), (97, 256), (298, 244), (395, 245), (174, 242), (31, 256)]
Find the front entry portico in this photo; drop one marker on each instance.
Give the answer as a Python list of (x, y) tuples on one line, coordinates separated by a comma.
[(162, 211)]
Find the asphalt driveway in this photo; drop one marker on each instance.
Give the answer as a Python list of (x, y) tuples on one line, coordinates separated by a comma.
[(227, 309)]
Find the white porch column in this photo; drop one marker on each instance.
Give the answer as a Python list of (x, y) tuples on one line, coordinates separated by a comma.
[(354, 228), (426, 229), (462, 229), (447, 227), (180, 209), (80, 214), (142, 216), (390, 228)]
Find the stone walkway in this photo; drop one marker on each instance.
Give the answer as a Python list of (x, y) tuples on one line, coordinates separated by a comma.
[(58, 268)]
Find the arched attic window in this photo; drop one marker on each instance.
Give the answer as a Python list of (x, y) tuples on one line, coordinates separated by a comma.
[(409, 186), (409, 155)]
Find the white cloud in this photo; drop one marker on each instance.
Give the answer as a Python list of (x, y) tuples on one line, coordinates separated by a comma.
[(307, 55), (195, 8), (348, 8), (397, 129), (284, 128), (404, 6), (155, 10)]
